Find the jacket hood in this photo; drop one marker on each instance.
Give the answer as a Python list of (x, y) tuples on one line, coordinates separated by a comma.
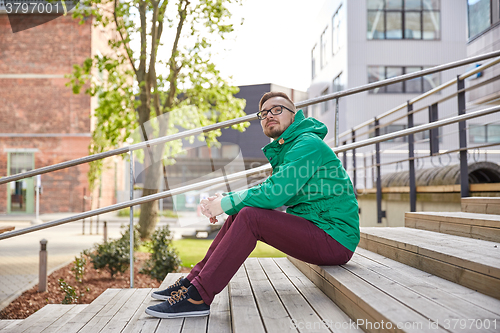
[(302, 125)]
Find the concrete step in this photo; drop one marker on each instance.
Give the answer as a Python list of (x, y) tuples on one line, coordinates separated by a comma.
[(481, 205), (388, 296), (472, 263), (472, 225)]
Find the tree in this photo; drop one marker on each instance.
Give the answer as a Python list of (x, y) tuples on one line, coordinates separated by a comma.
[(135, 83)]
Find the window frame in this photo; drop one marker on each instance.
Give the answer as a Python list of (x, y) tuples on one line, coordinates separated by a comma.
[(403, 12), (404, 90)]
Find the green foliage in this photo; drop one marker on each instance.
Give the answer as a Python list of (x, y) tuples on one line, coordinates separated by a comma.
[(164, 258), (170, 69), (79, 268), (71, 294), (114, 255)]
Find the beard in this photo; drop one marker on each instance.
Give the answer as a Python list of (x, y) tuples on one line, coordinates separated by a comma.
[(276, 130)]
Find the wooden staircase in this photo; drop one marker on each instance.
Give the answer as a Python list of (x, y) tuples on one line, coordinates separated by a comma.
[(399, 280)]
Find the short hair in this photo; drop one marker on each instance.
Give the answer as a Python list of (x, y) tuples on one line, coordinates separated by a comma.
[(272, 94)]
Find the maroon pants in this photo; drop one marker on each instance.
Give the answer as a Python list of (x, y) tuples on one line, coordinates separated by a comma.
[(237, 238)]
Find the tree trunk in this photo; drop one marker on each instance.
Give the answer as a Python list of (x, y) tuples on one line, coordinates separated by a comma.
[(153, 175)]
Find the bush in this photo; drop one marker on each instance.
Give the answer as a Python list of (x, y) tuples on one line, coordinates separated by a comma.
[(125, 212), (164, 259), (114, 255)]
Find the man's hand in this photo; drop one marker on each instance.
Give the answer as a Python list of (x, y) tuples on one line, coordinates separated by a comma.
[(211, 207)]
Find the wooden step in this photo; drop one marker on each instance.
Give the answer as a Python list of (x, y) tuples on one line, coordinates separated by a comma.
[(9, 324), (6, 228), (385, 294), (472, 263), (481, 205), (472, 225), (266, 295)]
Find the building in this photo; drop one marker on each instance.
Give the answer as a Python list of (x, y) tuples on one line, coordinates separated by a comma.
[(364, 41), (42, 122)]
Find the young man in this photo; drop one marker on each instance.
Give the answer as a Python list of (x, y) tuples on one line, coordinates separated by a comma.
[(320, 226)]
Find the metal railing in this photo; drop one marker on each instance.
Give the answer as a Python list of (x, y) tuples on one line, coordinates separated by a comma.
[(461, 118)]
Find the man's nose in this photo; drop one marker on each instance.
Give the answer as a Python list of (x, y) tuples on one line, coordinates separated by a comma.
[(270, 115)]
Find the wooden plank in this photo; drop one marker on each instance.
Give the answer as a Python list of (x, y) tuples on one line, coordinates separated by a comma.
[(41, 319), (478, 299), (193, 325), (346, 304), (471, 279), (13, 324), (63, 320), (302, 315), (374, 302), (8, 322), (477, 255), (219, 320), (473, 208), (420, 295), (485, 220), (119, 320), (326, 309), (142, 322), (481, 200), (488, 234), (102, 318), (490, 187), (272, 311), (245, 315)]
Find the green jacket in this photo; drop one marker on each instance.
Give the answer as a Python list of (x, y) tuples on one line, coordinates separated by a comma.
[(309, 178)]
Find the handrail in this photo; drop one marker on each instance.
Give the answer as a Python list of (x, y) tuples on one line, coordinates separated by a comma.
[(424, 95), (246, 173), (397, 79), (249, 117)]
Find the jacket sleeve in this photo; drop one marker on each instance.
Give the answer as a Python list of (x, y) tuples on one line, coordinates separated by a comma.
[(300, 163)]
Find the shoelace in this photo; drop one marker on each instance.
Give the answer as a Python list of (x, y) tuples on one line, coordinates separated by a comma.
[(177, 283), (176, 296)]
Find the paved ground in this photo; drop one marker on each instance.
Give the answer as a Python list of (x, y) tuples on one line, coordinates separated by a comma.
[(19, 255)]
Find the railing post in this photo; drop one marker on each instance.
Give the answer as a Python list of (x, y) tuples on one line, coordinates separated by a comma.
[(131, 154), (354, 180), (42, 267), (462, 133), (83, 209), (380, 213), (344, 156), (411, 161), (105, 231), (336, 122)]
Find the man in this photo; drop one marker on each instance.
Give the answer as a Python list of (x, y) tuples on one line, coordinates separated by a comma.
[(320, 226)]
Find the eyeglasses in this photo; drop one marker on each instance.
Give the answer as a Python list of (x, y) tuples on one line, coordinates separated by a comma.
[(275, 110)]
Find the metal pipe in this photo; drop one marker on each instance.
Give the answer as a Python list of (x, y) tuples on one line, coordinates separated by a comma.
[(462, 137), (426, 94), (131, 227), (397, 79), (243, 174), (253, 116), (138, 201), (411, 166)]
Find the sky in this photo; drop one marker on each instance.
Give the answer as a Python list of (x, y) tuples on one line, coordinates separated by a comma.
[(273, 45)]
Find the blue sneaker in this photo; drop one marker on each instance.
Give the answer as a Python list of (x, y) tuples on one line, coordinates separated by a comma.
[(165, 294), (180, 304)]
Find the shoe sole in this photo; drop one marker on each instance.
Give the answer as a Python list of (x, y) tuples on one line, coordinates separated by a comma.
[(160, 297), (164, 315)]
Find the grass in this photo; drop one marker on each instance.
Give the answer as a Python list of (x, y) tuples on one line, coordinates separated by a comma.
[(191, 251), (125, 212)]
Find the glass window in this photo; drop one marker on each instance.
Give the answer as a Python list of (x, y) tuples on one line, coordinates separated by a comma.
[(323, 49), (324, 105), (394, 29), (413, 85), (493, 133), (393, 72), (375, 4), (338, 30), (408, 19), (313, 62), (376, 73), (413, 28), (479, 16), (376, 25), (338, 83), (431, 28), (477, 134)]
